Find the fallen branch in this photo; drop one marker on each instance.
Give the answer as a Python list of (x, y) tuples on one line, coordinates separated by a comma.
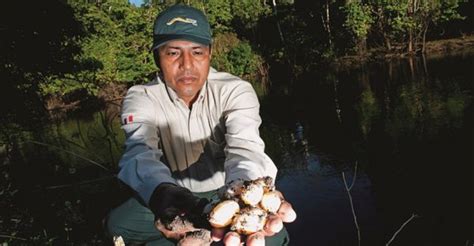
[(80, 183), (72, 153), (13, 237), (413, 216), (348, 189)]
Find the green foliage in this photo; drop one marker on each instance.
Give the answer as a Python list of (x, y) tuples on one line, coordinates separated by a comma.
[(242, 59), (219, 13), (358, 19), (238, 58), (450, 10), (396, 18), (368, 111), (70, 82), (117, 36), (248, 12), (440, 11), (423, 110), (115, 50)]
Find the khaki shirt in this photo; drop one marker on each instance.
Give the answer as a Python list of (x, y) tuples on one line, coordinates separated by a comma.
[(200, 148)]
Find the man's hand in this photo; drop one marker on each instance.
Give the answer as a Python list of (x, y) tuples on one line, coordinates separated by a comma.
[(173, 206), (274, 224)]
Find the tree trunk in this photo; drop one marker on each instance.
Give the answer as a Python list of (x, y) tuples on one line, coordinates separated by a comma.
[(361, 46), (411, 12), (423, 47), (325, 18), (412, 68), (328, 24), (388, 44), (282, 38), (425, 67), (381, 24), (410, 40)]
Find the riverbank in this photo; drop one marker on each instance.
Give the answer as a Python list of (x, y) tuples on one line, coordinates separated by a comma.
[(435, 48), (114, 92), (439, 47)]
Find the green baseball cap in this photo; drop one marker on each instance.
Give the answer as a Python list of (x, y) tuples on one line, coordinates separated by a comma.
[(181, 22)]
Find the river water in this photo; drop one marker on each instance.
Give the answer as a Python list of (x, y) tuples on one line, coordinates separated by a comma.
[(408, 126), (374, 143)]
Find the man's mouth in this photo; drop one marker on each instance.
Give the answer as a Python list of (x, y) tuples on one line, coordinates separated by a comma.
[(187, 79)]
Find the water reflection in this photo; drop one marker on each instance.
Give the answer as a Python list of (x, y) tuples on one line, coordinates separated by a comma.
[(323, 206), (313, 181)]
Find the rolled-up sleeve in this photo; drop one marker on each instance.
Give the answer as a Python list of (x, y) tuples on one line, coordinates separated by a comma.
[(140, 165), (245, 156)]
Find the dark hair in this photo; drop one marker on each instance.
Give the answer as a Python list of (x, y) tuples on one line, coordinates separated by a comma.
[(156, 57)]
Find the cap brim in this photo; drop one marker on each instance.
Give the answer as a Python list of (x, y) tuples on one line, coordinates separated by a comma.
[(160, 40)]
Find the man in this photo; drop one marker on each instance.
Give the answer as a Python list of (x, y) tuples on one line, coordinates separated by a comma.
[(189, 132)]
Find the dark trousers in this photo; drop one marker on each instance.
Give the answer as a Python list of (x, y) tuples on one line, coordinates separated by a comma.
[(135, 223)]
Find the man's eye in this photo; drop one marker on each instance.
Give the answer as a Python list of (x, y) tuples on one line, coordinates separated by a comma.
[(172, 53), (198, 52)]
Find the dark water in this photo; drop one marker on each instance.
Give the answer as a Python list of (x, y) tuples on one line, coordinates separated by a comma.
[(406, 123)]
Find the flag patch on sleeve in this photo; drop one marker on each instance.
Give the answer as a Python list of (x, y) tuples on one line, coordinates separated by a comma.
[(127, 119)]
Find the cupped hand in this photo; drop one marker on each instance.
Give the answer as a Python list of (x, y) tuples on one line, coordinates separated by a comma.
[(175, 209), (273, 225), (175, 233)]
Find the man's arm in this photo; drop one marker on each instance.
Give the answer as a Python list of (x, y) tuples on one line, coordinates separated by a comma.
[(245, 156), (142, 170), (140, 165), (246, 159)]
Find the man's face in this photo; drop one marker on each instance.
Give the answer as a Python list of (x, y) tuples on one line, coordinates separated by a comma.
[(185, 66)]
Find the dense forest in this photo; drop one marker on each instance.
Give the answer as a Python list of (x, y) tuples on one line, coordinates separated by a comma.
[(59, 55), (65, 48)]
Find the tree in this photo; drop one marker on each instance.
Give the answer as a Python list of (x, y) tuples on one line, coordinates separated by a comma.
[(115, 48), (359, 22), (409, 21), (435, 12), (391, 20)]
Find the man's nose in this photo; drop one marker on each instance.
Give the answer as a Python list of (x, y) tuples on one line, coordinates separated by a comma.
[(186, 60)]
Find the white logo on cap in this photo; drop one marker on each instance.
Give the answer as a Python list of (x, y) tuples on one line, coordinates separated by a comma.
[(181, 19)]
